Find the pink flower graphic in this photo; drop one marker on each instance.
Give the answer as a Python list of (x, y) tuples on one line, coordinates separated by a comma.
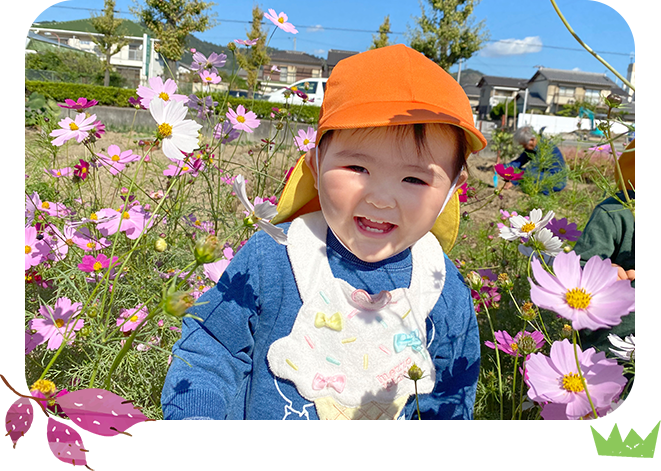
[(91, 264), (209, 77), (58, 321), (133, 221), (280, 21)]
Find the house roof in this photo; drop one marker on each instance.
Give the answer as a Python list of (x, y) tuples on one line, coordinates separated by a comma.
[(471, 90), (574, 76), (494, 81), (127, 28), (336, 55), (296, 57), (534, 100), (37, 42)]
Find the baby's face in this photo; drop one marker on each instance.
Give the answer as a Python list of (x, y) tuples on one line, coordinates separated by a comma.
[(377, 195)]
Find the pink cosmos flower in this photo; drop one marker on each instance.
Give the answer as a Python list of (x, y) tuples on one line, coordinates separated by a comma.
[(523, 342), (116, 159), (246, 42), (36, 250), (462, 193), (32, 340), (98, 130), (201, 62), (81, 169), (305, 139), (180, 167), (563, 229), (487, 295), (77, 128), (209, 77), (214, 270), (508, 173), (133, 221), (59, 172), (58, 241), (83, 238), (274, 68), (280, 21), (79, 105), (226, 132), (158, 89), (591, 297), (130, 319), (58, 321), (242, 120), (555, 379), (90, 264), (33, 204)]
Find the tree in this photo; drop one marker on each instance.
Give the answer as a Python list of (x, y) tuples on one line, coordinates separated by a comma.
[(172, 21), (111, 41), (382, 39), (446, 35), (257, 57)]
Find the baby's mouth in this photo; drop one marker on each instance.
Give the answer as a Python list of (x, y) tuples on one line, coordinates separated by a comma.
[(374, 226)]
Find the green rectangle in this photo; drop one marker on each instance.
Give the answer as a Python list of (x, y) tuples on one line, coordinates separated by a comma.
[(625, 439)]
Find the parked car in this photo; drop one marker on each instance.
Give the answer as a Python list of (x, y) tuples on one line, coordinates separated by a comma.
[(314, 88)]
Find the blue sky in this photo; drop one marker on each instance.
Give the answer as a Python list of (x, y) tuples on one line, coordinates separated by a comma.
[(523, 34)]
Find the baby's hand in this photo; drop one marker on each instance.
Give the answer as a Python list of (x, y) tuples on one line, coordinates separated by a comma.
[(624, 275)]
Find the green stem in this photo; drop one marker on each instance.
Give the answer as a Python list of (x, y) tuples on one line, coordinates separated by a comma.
[(580, 374), (500, 379), (417, 404)]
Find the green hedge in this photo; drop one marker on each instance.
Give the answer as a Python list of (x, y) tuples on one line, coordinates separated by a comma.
[(113, 96)]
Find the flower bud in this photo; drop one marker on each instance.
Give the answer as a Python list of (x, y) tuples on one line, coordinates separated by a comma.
[(415, 373), (613, 100), (505, 282), (177, 303), (566, 331), (231, 46), (208, 250), (474, 280), (528, 312), (160, 245)]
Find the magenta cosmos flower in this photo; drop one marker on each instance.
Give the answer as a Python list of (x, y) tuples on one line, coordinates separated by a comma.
[(36, 250), (462, 193), (242, 120), (523, 342), (555, 379), (79, 105), (77, 128), (133, 222), (209, 77), (591, 297), (57, 322), (280, 21), (129, 319), (563, 229), (91, 264), (82, 169), (509, 174), (158, 89), (116, 159), (305, 139)]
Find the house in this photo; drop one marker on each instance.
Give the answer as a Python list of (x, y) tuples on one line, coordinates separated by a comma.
[(473, 94), (136, 62), (558, 87), (293, 65), (495, 90), (335, 56)]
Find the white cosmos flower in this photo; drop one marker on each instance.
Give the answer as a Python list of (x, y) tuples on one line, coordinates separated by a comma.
[(178, 134), (522, 227), (625, 349), (619, 410), (261, 213), (544, 241)]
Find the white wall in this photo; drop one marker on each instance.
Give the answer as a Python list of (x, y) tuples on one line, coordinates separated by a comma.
[(560, 124)]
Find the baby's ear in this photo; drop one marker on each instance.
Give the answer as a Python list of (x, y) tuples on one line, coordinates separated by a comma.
[(311, 162), (463, 177)]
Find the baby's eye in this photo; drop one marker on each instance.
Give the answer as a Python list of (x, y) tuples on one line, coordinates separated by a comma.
[(357, 168), (415, 181)]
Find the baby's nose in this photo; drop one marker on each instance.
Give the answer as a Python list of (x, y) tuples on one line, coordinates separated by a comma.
[(380, 197)]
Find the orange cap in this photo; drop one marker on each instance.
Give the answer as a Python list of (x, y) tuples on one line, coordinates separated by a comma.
[(388, 86), (627, 163)]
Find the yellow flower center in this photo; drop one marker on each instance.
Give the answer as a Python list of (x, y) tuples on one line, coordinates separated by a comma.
[(460, 191), (97, 266), (185, 168), (134, 318), (91, 245), (94, 217), (528, 227), (44, 386), (59, 323), (45, 205), (514, 346), (572, 382), (126, 215), (281, 20), (83, 170), (73, 126), (241, 119), (165, 130), (198, 223), (578, 298), (562, 230), (208, 79), (306, 142), (58, 173), (115, 158), (28, 249), (164, 96)]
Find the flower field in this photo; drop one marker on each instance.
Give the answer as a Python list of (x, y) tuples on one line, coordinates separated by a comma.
[(124, 232)]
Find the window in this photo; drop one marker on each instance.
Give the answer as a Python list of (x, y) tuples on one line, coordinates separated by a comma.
[(135, 53), (567, 91), (592, 96)]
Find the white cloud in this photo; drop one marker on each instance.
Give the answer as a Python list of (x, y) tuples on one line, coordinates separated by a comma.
[(512, 47), (319, 52), (576, 69), (314, 29)]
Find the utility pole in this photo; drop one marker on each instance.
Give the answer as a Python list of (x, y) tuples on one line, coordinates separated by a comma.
[(459, 73)]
